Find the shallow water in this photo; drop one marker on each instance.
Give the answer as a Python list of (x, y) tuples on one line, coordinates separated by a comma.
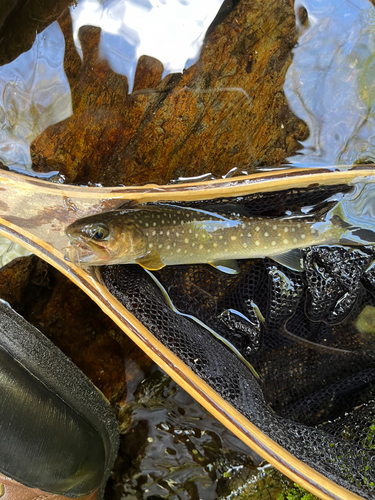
[(328, 85)]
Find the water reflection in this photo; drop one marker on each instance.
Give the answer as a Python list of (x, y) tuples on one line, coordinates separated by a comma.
[(34, 94), (169, 30), (331, 85)]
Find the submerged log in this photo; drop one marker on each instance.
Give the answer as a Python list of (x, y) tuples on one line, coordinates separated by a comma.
[(226, 111)]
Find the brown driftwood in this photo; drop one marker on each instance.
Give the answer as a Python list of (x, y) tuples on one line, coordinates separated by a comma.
[(228, 110)]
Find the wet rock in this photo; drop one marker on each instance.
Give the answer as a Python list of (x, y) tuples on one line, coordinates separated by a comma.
[(148, 73), (14, 279), (227, 110)]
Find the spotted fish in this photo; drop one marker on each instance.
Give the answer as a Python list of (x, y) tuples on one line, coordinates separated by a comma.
[(161, 235)]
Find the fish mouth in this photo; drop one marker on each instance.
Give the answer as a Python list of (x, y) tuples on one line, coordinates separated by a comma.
[(81, 253)]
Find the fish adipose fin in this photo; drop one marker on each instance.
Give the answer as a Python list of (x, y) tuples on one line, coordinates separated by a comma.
[(292, 259), (226, 266), (151, 261)]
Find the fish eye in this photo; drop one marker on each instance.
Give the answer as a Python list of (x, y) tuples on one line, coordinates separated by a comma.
[(98, 233)]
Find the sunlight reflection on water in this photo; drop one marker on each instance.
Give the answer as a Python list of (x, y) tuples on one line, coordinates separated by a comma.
[(34, 94), (330, 83), (169, 30)]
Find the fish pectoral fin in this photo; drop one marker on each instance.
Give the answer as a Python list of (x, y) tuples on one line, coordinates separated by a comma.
[(292, 259), (226, 266), (150, 261)]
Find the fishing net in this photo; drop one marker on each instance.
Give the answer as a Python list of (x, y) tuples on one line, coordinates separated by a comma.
[(310, 337)]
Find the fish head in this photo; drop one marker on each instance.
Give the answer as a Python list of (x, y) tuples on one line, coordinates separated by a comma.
[(105, 239)]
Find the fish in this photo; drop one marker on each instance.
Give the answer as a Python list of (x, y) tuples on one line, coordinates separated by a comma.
[(159, 235)]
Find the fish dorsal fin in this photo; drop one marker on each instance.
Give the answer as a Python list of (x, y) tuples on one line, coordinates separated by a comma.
[(150, 261), (226, 266), (291, 259)]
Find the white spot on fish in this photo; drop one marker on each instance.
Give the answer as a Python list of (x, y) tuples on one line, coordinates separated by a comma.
[(221, 237), (200, 247), (154, 224), (190, 231), (160, 246), (244, 245), (266, 234), (178, 250), (168, 247), (150, 245), (303, 236), (273, 243), (147, 224), (267, 224), (196, 235), (286, 229), (153, 233), (186, 240), (249, 235), (163, 221), (293, 229), (294, 240), (257, 243), (193, 244), (161, 233), (168, 233), (285, 242), (177, 234), (257, 228), (298, 225), (233, 238), (274, 227)]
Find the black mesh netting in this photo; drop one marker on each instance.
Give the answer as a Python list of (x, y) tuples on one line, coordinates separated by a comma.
[(314, 350)]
